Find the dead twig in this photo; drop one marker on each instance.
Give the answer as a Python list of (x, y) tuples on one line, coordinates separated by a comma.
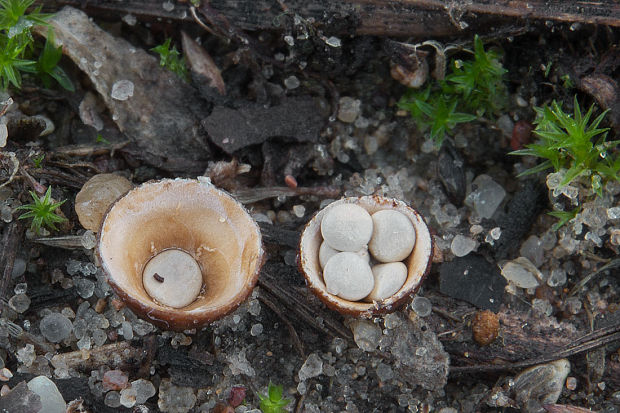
[(300, 403), (15, 162), (250, 195), (88, 150), (202, 24), (609, 266), (584, 344), (301, 308), (446, 314), (57, 177), (10, 243), (422, 18), (265, 299), (66, 165), (115, 354)]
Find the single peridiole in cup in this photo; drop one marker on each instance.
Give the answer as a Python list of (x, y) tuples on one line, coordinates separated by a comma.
[(180, 253)]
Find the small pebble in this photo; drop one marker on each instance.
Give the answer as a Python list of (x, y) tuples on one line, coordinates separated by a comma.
[(348, 109), (347, 227), (299, 210), (173, 278), (51, 399), (122, 89), (393, 237), (422, 306), (55, 327), (389, 278), (461, 245), (5, 374), (348, 276), (115, 380)]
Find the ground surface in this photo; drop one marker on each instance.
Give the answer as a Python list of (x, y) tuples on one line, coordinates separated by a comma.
[(324, 113)]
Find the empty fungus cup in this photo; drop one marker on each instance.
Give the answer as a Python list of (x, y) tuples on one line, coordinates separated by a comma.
[(187, 236), (418, 262)]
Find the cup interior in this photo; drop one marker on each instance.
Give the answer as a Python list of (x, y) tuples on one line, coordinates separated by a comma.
[(192, 216)]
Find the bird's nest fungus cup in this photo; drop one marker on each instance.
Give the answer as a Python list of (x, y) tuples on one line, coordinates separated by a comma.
[(365, 256), (180, 253)]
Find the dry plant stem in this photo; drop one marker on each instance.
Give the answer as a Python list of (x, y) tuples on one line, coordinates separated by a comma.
[(66, 165), (424, 18), (300, 307), (609, 266), (267, 299), (59, 178), (69, 242), (446, 314), (586, 343), (87, 150), (250, 195), (17, 332), (10, 244), (15, 163), (273, 234), (99, 356), (202, 24), (36, 187), (300, 404)]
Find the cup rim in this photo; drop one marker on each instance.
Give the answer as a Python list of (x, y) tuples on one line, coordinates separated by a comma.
[(308, 266), (179, 319)]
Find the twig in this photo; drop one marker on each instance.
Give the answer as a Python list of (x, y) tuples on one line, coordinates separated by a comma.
[(585, 343), (69, 242), (610, 265), (300, 404), (8, 252), (37, 187), (446, 314), (15, 161), (264, 297), (302, 310), (60, 178), (87, 165), (89, 150), (248, 196), (122, 351), (202, 24)]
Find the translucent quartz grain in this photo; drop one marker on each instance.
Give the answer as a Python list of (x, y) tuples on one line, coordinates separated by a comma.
[(173, 278)]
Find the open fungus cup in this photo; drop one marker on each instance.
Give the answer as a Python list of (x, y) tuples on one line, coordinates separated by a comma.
[(418, 263), (196, 218)]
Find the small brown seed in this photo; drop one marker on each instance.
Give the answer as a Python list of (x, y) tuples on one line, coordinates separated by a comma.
[(485, 327)]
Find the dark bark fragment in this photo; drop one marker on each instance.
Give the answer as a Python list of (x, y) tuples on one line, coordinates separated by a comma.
[(473, 279), (522, 210), (299, 119)]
